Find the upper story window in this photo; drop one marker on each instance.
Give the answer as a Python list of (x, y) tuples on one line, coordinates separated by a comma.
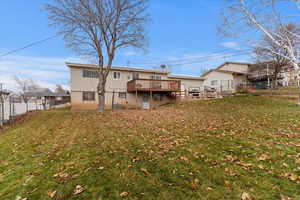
[(90, 74), (116, 75), (214, 83), (135, 75), (155, 77)]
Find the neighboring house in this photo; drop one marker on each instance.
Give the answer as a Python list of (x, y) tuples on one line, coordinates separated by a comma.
[(262, 75), (227, 77), (190, 85), (47, 98), (127, 87)]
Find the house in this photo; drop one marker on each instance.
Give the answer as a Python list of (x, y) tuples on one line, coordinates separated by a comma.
[(128, 87), (227, 77), (190, 86), (262, 75), (47, 98)]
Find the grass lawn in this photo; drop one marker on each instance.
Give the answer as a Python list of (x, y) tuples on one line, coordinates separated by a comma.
[(216, 149)]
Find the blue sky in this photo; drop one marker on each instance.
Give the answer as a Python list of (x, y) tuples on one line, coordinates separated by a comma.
[(179, 30)]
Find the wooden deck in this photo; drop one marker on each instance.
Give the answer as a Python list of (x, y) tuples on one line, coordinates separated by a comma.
[(145, 85)]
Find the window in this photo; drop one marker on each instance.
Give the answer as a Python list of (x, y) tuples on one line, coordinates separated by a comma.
[(116, 75), (194, 89), (90, 74), (157, 97), (88, 96), (214, 83), (155, 77), (122, 95), (135, 75)]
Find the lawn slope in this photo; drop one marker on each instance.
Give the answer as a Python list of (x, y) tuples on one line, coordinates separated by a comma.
[(216, 149)]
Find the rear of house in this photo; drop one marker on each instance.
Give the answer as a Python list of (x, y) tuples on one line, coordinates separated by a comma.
[(227, 77), (127, 87)]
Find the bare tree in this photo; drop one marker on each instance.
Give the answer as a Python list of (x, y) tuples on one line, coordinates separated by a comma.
[(247, 20), (25, 86), (99, 28), (59, 89), (265, 51)]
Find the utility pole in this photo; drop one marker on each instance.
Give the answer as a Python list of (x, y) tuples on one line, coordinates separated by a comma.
[(268, 76), (2, 105)]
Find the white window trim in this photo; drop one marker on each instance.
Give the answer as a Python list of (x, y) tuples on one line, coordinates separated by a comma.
[(114, 76)]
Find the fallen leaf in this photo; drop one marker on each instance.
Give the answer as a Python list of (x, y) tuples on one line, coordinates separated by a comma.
[(124, 194), (284, 197), (229, 158), (79, 189), (20, 198), (184, 158), (144, 170), (264, 157), (246, 196), (52, 194), (261, 167), (61, 175)]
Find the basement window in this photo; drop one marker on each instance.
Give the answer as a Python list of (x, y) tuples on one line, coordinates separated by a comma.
[(88, 96), (122, 95)]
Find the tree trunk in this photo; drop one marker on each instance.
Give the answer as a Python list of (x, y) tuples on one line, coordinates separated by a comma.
[(101, 98), (101, 95)]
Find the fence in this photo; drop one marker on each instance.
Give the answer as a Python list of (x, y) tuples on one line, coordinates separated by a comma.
[(11, 108)]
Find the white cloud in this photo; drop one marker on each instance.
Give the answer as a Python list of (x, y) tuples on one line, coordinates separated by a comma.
[(45, 71), (231, 45)]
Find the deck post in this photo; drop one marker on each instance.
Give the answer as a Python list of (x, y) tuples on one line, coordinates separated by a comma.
[(151, 99), (136, 98)]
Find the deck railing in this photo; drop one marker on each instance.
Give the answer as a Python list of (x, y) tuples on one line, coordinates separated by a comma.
[(153, 85)]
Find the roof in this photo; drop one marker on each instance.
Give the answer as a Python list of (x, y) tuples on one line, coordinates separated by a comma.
[(235, 63), (218, 69), (5, 92), (41, 92), (186, 77), (223, 71), (128, 69)]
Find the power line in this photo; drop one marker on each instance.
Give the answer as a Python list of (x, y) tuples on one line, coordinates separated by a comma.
[(209, 58), (189, 59), (217, 56), (29, 45)]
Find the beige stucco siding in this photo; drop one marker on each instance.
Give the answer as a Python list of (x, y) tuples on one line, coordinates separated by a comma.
[(215, 75), (188, 84), (241, 68), (80, 84), (225, 81)]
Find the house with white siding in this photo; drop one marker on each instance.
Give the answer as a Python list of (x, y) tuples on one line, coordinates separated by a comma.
[(227, 77)]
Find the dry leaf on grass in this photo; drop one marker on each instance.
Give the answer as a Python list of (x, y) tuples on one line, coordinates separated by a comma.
[(264, 157), (184, 158), (246, 196), (285, 197), (144, 170), (78, 190), (124, 194), (20, 198), (52, 194), (61, 175)]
